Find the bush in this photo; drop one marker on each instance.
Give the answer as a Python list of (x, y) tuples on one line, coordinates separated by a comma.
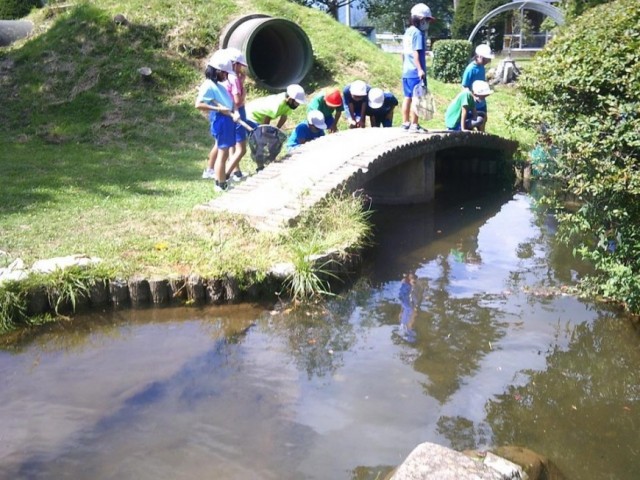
[(12, 9), (585, 89), (450, 57)]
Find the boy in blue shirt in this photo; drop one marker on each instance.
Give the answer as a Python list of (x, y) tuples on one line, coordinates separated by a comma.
[(476, 71), (355, 103), (304, 132), (380, 107), (214, 99), (414, 65)]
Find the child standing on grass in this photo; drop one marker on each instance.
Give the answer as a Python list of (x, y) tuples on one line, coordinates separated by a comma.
[(235, 87), (214, 99), (414, 65), (476, 71)]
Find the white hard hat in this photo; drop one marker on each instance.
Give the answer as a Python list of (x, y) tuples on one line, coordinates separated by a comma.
[(480, 87), (376, 98), (316, 118), (236, 56), (297, 93), (220, 61), (421, 10), (358, 88), (484, 50)]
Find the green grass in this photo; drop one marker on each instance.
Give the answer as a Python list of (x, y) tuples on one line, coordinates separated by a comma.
[(96, 161)]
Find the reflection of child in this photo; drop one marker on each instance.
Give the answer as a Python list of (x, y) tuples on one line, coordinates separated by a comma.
[(408, 306)]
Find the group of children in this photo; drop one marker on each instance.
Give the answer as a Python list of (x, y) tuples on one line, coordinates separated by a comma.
[(222, 97)]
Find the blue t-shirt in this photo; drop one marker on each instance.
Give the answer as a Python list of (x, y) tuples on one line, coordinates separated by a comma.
[(303, 132), (390, 102), (213, 92), (347, 98), (413, 39), (472, 73)]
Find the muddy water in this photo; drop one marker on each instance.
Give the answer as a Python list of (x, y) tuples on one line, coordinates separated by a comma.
[(486, 349)]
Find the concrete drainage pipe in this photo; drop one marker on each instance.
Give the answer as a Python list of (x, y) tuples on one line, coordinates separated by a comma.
[(278, 51), (12, 30)]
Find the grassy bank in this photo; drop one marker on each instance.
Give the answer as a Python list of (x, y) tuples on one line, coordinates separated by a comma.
[(98, 162)]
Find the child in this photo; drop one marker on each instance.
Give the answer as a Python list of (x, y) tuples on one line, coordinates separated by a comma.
[(355, 103), (236, 89), (476, 71), (461, 113), (263, 110), (328, 103), (214, 99), (304, 132), (414, 65), (380, 107)]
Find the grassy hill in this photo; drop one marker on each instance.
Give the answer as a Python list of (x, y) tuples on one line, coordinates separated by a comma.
[(97, 161)]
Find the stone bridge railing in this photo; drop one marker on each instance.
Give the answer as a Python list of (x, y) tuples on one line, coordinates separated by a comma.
[(391, 165)]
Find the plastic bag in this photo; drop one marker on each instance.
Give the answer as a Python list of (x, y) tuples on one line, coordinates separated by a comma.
[(423, 103)]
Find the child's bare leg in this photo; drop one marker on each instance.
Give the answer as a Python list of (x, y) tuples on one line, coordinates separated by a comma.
[(239, 151), (220, 164), (406, 109)]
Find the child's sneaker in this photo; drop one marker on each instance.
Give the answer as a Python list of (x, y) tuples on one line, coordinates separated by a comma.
[(405, 126), (237, 176), (220, 187), (415, 128), (208, 173)]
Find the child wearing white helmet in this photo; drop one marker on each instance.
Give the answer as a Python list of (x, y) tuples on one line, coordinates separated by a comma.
[(262, 110), (414, 65), (462, 114), (354, 98), (214, 100), (476, 71), (380, 107), (311, 129)]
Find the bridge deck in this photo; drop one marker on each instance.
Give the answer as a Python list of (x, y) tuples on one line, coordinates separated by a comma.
[(276, 196)]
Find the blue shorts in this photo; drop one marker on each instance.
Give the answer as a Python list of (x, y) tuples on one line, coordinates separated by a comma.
[(241, 132), (223, 129), (382, 121), (408, 84)]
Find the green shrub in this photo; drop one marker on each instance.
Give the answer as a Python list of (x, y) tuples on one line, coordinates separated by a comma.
[(585, 90), (450, 57), (12, 9)]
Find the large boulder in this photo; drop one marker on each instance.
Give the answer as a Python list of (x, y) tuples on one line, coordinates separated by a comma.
[(429, 461)]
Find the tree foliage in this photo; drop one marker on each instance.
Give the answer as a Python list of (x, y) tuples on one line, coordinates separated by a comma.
[(12, 9), (575, 8), (463, 22), (584, 88), (393, 15)]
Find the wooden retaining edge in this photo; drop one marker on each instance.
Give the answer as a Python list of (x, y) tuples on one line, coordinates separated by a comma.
[(176, 290)]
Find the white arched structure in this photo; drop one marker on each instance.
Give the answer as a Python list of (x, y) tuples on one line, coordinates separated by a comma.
[(545, 8)]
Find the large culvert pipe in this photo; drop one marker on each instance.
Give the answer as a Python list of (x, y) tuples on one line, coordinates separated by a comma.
[(278, 51), (12, 30)]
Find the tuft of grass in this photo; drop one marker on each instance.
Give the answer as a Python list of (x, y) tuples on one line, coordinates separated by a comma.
[(309, 279)]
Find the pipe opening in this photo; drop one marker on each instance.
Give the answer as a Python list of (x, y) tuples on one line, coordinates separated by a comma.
[(278, 51)]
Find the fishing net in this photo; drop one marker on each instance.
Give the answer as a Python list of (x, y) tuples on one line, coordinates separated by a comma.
[(265, 143), (422, 102)]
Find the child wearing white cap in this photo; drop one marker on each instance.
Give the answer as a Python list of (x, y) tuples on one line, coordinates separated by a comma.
[(380, 107), (414, 65), (311, 129), (355, 103), (214, 100), (462, 114), (262, 110), (476, 71)]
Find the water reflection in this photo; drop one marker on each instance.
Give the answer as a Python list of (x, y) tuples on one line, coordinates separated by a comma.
[(460, 333)]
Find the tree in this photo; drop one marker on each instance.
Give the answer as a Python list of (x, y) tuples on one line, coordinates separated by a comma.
[(393, 15), (329, 6), (463, 23), (583, 88)]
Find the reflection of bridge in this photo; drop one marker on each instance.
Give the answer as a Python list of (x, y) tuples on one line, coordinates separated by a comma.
[(392, 166)]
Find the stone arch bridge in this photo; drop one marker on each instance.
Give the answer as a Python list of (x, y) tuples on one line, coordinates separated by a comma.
[(391, 166)]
